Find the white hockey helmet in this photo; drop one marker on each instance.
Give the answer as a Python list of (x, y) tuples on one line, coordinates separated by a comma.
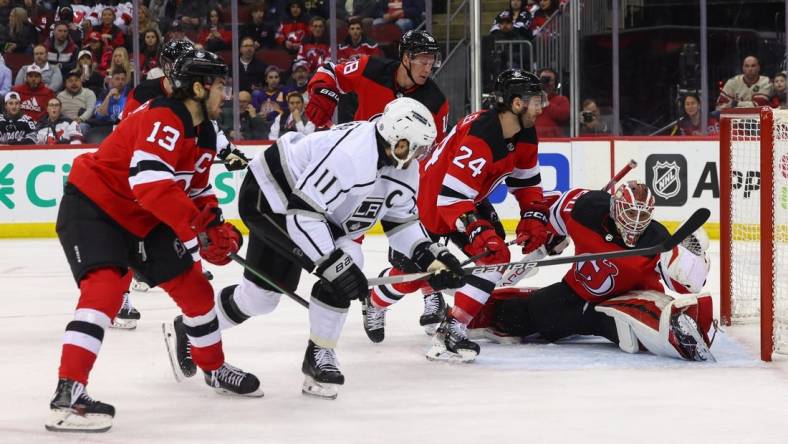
[(407, 119)]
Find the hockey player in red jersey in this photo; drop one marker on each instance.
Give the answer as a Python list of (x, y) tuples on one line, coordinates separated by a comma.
[(483, 150), (378, 81), (143, 201), (622, 299)]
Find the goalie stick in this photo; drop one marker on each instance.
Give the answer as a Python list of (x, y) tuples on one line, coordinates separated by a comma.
[(695, 221)]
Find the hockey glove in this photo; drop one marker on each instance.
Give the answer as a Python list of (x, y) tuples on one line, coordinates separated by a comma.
[(322, 101), (532, 230), (482, 238), (217, 238), (446, 269), (233, 158), (343, 276)]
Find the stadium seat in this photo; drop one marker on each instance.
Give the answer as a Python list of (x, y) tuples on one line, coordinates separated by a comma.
[(385, 33), (15, 60), (277, 57)]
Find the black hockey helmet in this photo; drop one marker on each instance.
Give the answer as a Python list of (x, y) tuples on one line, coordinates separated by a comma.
[(170, 52), (517, 83), (419, 42), (196, 66)]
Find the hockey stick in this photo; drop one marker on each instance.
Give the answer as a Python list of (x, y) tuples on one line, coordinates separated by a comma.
[(627, 168), (242, 262), (695, 221)]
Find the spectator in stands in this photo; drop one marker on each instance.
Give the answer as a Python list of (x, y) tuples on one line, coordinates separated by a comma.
[(546, 9), (111, 35), (33, 93), (322, 8), (5, 12), (91, 79), (21, 34), (16, 128), (111, 103), (66, 15), (252, 72), (52, 77), (161, 11), (252, 125), (366, 10), (215, 36), (520, 17), (293, 27), (5, 77), (504, 27), (315, 47), (149, 52), (100, 53), (299, 78), (147, 23), (356, 43), (404, 13), (293, 119), (61, 49), (77, 101), (260, 29), (271, 99), (778, 92), (56, 129), (689, 124), (120, 61), (177, 33), (746, 90), (191, 13), (554, 120), (591, 122)]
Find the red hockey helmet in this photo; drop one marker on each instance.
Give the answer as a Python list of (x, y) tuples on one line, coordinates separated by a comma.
[(631, 208)]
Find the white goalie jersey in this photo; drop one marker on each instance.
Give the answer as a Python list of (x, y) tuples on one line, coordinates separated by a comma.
[(330, 186)]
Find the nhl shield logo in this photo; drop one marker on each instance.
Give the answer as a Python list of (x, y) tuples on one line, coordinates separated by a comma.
[(666, 182)]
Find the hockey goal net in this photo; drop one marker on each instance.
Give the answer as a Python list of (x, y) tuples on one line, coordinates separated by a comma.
[(754, 223)]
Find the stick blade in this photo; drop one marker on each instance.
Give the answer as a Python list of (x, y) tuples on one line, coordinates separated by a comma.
[(698, 218)]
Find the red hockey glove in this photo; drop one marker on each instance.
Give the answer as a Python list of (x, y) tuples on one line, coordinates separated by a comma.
[(483, 238), (532, 230), (217, 237), (322, 101)]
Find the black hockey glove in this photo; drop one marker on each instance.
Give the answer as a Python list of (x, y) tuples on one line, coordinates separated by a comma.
[(447, 271), (233, 158), (342, 276)]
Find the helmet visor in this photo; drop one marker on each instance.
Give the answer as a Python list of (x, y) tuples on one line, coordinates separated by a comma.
[(427, 58)]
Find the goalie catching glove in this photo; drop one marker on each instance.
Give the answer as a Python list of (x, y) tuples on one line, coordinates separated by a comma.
[(217, 238), (444, 266)]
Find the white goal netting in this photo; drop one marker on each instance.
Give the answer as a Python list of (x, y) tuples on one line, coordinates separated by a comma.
[(747, 226)]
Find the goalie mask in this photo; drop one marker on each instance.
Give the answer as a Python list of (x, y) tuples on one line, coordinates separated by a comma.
[(407, 119), (631, 208)]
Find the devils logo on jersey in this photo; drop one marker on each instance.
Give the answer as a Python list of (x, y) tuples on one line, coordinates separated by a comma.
[(598, 277)]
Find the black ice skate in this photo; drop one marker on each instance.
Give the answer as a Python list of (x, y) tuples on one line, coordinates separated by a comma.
[(374, 320), (322, 377), (229, 380), (73, 410), (451, 343), (434, 311), (688, 340), (127, 316), (179, 349)]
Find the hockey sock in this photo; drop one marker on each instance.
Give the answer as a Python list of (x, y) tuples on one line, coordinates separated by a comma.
[(101, 294), (386, 295), (236, 304), (194, 295), (470, 298)]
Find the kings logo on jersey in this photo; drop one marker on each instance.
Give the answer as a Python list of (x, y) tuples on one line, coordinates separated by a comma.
[(366, 214), (598, 277)]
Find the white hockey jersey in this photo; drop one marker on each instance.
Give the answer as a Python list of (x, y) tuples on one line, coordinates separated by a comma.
[(329, 185)]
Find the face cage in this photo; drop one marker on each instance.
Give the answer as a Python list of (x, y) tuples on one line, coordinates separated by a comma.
[(631, 220)]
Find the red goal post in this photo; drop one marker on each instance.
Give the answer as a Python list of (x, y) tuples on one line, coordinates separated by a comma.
[(754, 223)]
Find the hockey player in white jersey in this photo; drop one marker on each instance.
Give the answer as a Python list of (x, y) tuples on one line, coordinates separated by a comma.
[(306, 200)]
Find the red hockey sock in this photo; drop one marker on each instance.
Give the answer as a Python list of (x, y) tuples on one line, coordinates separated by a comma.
[(385, 295), (101, 294)]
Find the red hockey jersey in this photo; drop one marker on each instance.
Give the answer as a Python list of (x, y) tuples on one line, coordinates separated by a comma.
[(153, 168), (373, 79), (469, 163), (584, 216)]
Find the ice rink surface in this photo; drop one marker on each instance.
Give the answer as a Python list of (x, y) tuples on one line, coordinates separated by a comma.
[(581, 391)]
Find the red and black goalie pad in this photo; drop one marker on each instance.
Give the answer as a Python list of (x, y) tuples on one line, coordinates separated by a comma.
[(486, 317)]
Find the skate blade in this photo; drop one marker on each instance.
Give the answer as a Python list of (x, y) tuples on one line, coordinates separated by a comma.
[(319, 390), (702, 352), (430, 329), (441, 353), (68, 421), (255, 394), (124, 324), (168, 331), (140, 287)]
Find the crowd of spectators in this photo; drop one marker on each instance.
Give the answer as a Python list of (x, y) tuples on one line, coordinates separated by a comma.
[(68, 68)]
